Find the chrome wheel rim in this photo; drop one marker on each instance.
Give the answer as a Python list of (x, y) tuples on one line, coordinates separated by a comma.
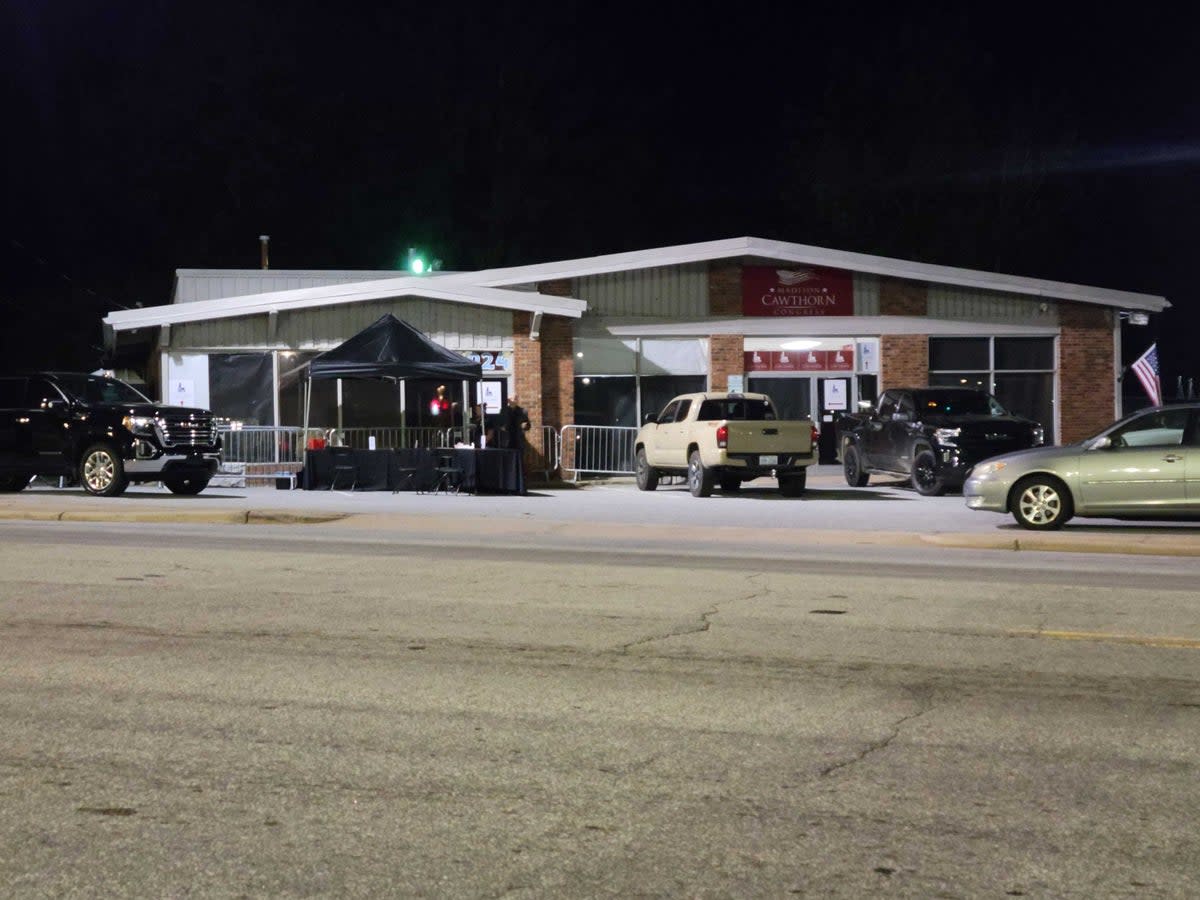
[(642, 468), (99, 471), (693, 474), (1040, 504)]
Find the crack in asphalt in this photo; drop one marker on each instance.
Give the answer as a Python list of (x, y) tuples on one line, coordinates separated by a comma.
[(873, 747), (703, 625)]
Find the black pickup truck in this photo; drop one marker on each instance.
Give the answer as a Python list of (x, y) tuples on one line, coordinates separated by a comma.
[(931, 435), (102, 433)]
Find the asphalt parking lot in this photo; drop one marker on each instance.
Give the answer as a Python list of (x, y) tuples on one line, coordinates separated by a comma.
[(829, 512)]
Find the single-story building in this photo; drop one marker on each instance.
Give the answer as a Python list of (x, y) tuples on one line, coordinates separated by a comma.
[(604, 340)]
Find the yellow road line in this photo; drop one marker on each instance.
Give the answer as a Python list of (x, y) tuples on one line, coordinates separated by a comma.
[(1104, 637)]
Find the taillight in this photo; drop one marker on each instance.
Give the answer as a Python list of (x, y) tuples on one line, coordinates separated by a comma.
[(816, 432), (723, 436)]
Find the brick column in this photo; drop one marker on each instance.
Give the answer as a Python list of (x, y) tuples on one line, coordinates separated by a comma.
[(725, 300), (544, 373), (1086, 375), (904, 358)]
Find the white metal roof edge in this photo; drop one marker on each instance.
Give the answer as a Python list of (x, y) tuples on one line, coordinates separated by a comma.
[(328, 295), (819, 256), (821, 326)]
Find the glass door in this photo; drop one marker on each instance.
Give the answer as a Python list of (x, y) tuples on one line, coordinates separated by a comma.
[(792, 396)]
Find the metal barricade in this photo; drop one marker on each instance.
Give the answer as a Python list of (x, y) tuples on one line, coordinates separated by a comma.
[(393, 437), (596, 450), (264, 443)]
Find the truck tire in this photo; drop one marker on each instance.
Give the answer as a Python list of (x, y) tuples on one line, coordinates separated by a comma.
[(102, 472), (925, 475), (852, 467), (10, 484), (700, 479), (793, 484), (647, 477), (186, 485)]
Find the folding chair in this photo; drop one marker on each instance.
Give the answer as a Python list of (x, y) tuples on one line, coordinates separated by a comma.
[(447, 474), (343, 467)]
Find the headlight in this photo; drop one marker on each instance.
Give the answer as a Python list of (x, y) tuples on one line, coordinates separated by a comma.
[(1039, 435), (946, 435), (985, 469), (143, 424)]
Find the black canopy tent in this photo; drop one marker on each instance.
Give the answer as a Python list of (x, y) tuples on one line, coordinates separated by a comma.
[(390, 348)]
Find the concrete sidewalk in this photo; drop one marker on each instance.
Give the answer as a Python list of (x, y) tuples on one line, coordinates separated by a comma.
[(599, 510)]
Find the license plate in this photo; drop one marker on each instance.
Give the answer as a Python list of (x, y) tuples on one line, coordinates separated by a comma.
[(768, 460)]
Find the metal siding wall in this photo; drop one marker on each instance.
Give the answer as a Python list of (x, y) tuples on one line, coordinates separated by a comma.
[(866, 294), (968, 304), (455, 326), (669, 291)]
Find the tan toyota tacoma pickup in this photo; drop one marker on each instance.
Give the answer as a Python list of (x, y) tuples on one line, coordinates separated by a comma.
[(724, 439)]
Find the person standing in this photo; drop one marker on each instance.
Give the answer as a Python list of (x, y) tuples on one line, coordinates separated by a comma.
[(514, 422)]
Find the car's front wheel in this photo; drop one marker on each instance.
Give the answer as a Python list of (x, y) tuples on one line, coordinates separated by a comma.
[(1041, 503), (187, 485), (647, 477), (102, 472), (700, 479)]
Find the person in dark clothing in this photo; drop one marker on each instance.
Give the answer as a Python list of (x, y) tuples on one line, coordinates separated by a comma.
[(514, 422)]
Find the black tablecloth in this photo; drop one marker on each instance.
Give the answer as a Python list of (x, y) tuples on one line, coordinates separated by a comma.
[(490, 470)]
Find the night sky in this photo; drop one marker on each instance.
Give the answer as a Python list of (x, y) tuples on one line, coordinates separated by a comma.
[(149, 136)]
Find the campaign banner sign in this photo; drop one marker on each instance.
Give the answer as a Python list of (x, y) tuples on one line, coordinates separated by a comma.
[(797, 291)]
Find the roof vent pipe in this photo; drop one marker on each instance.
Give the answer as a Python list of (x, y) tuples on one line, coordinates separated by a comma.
[(263, 240)]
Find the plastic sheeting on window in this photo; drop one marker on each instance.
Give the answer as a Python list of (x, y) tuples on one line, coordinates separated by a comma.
[(241, 387)]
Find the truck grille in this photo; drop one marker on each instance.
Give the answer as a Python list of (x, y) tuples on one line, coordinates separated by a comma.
[(188, 431)]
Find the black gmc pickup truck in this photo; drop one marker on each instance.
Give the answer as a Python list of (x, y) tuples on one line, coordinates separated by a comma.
[(102, 433), (930, 435)]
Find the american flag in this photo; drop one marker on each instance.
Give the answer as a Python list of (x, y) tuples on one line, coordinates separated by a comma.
[(1146, 369)]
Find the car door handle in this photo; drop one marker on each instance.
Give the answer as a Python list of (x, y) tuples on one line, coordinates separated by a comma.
[(1172, 457)]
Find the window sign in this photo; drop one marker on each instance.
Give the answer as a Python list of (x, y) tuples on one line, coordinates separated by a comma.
[(183, 392), (489, 396), (835, 393)]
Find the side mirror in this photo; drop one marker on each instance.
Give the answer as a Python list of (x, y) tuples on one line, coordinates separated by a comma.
[(56, 404), (1101, 443), (650, 419)]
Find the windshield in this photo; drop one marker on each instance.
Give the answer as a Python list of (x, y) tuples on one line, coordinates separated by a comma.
[(958, 403), (98, 389)]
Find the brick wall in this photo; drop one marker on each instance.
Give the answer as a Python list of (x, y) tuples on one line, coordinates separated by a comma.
[(724, 299), (904, 360), (1085, 366), (725, 288), (724, 359)]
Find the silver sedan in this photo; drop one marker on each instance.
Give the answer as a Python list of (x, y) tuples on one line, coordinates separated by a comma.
[(1144, 466)]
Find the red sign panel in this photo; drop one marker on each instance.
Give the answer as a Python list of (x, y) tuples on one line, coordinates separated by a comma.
[(797, 291), (799, 360), (840, 360)]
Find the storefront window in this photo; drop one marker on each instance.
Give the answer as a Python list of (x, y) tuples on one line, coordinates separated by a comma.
[(1019, 371), (946, 354)]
